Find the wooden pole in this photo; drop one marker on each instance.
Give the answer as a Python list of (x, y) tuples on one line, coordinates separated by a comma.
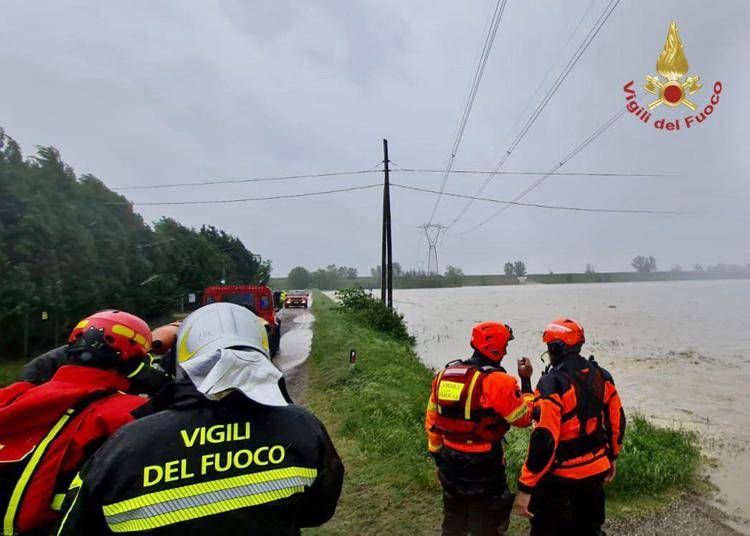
[(389, 242)]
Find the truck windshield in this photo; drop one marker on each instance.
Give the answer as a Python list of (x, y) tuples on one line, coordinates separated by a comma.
[(240, 298)]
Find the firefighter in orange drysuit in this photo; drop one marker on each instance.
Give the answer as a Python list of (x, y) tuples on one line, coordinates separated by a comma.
[(473, 403), (579, 426)]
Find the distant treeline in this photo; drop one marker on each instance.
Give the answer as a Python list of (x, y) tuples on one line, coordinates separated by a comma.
[(455, 279), (70, 246), (334, 277)]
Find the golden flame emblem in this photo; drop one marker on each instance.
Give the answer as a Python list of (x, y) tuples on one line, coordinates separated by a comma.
[(672, 87)]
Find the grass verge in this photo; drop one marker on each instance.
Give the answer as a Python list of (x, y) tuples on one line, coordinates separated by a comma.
[(9, 371), (375, 410)]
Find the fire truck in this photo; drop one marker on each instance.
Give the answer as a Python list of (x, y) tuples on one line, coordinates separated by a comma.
[(257, 298)]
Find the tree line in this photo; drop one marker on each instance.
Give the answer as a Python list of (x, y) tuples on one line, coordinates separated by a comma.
[(70, 246), (334, 277)]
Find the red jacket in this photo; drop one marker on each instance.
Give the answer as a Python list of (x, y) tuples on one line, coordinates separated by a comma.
[(34, 428)]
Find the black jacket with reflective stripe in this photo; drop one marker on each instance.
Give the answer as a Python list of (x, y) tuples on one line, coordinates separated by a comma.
[(208, 467)]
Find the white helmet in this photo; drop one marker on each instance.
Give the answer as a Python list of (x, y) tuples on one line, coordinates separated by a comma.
[(220, 325), (224, 347)]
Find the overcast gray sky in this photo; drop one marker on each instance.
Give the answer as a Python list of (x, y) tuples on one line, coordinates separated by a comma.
[(147, 92)]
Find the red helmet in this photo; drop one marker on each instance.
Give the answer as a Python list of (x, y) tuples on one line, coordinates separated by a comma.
[(565, 330), (120, 334), (491, 339)]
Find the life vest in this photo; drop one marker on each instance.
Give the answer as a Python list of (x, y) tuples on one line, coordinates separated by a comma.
[(38, 420), (589, 390), (460, 415)]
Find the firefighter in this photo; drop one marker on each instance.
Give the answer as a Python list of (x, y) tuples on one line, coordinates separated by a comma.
[(579, 426), (472, 404), (48, 431), (147, 378), (223, 453)]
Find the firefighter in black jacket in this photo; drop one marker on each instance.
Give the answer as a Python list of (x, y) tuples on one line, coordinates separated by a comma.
[(224, 452)]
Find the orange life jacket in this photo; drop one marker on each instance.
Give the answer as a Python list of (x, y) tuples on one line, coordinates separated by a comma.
[(460, 415)]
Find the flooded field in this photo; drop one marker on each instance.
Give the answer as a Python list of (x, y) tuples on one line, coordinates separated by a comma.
[(678, 350)]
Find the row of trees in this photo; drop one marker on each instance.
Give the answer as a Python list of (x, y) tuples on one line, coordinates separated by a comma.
[(517, 269), (334, 277), (328, 278), (70, 246)]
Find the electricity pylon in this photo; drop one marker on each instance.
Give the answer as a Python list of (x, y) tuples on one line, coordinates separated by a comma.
[(432, 232)]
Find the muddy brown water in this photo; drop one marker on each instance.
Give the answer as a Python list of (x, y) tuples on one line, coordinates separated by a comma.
[(678, 351)]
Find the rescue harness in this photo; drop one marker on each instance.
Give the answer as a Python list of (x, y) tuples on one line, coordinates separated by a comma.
[(460, 415), (589, 391)]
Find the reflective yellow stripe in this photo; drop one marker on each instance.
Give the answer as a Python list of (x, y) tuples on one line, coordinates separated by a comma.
[(137, 370), (437, 385), (186, 514), (28, 471), (433, 447), (77, 483), (57, 501), (431, 405), (517, 413), (467, 407), (166, 507)]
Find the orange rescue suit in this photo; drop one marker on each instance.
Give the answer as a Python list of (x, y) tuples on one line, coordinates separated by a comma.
[(579, 424), (471, 408)]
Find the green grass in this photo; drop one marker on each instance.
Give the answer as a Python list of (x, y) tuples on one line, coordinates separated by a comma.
[(375, 412), (9, 371)]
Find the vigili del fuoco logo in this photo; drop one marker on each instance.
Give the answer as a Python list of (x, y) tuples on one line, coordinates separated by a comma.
[(674, 87)]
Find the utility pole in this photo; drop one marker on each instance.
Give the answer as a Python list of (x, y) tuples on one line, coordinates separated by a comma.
[(389, 242), (384, 244), (386, 257)]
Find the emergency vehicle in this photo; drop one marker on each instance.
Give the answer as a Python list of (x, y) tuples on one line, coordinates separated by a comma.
[(297, 298), (257, 298)]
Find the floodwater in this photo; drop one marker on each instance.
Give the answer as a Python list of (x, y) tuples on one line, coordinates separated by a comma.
[(294, 349), (678, 351), (296, 338)]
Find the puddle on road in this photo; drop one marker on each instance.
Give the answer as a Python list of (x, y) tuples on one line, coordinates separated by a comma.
[(295, 345)]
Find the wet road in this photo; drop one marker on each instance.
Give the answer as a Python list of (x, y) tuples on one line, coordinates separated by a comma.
[(296, 338)]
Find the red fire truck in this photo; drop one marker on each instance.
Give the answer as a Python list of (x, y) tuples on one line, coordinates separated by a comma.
[(257, 298)]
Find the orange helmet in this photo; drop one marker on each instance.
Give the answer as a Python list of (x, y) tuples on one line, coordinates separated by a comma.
[(491, 339), (111, 334), (565, 330)]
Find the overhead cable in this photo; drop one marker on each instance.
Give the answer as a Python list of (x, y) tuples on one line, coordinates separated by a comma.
[(550, 93), (247, 199), (478, 73), (540, 205), (252, 179), (553, 171)]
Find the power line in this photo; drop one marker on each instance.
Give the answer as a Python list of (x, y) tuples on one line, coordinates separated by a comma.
[(550, 93), (539, 205), (248, 199), (598, 132), (552, 65), (545, 173), (252, 179), (479, 72)]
